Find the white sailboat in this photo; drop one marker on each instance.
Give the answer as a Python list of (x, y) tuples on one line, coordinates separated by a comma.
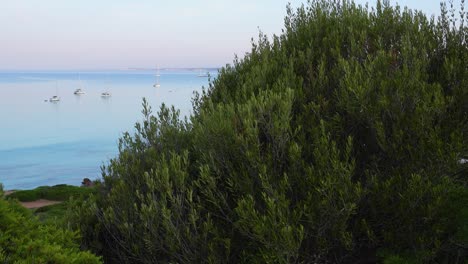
[(106, 94), (202, 73), (79, 91), (157, 84), (55, 98)]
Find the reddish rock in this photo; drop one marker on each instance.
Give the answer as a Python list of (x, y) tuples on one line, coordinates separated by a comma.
[(87, 183)]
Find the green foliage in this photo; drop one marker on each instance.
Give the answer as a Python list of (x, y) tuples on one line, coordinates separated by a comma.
[(52, 213), (23, 239), (337, 142), (55, 214), (61, 192)]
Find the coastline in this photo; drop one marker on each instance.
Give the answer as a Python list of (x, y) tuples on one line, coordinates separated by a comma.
[(49, 195), (33, 204), (8, 192)]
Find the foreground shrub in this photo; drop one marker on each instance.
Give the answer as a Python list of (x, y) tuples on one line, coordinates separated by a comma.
[(339, 141), (23, 239)]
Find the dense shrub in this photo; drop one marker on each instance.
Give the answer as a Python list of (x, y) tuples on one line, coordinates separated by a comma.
[(23, 239), (61, 192), (339, 141)]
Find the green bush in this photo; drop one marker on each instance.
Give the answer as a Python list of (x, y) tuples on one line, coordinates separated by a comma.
[(61, 192), (25, 195), (23, 239), (54, 213), (338, 141)]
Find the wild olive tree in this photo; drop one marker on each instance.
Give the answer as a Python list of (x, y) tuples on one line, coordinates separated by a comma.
[(339, 141)]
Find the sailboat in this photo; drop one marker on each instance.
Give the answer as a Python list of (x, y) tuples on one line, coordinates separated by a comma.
[(157, 85), (79, 91), (202, 73), (106, 94), (55, 98)]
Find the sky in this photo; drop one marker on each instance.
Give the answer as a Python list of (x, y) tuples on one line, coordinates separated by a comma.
[(121, 34)]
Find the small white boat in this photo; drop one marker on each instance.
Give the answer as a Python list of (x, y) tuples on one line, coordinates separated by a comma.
[(79, 91), (106, 93), (54, 98), (202, 73), (157, 85)]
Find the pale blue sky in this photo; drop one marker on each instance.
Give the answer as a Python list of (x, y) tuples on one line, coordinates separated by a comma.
[(117, 34)]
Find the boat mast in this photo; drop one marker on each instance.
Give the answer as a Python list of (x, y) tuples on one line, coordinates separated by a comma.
[(157, 77)]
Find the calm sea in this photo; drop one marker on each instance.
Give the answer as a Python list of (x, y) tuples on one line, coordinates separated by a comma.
[(45, 143)]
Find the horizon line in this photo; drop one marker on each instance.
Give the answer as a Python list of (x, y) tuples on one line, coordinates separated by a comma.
[(117, 69)]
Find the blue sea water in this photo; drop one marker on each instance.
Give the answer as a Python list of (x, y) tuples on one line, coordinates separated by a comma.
[(44, 143)]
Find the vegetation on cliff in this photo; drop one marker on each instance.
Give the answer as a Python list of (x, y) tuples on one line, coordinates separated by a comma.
[(24, 239), (338, 141)]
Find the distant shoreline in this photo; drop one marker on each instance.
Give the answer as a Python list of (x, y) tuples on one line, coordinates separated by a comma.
[(8, 192), (175, 69)]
